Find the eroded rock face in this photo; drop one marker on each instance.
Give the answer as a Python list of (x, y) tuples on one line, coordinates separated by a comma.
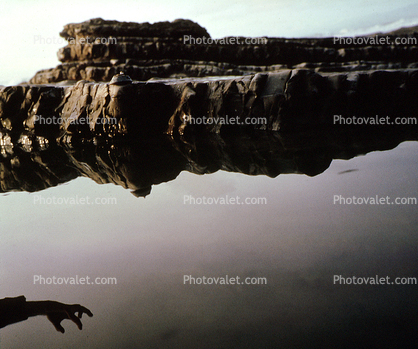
[(287, 100), (98, 49), (277, 120), (99, 28)]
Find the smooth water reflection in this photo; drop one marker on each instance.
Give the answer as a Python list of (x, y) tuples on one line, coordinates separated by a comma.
[(299, 240)]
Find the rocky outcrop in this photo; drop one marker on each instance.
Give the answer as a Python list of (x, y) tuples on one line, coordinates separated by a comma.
[(287, 100), (140, 133), (98, 49), (98, 28), (137, 134)]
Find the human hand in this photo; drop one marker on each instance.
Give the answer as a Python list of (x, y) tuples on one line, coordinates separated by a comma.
[(56, 312)]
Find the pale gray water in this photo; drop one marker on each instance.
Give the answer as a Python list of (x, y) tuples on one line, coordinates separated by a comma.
[(299, 240)]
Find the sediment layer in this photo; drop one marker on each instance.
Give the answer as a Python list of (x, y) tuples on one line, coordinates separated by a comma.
[(98, 49)]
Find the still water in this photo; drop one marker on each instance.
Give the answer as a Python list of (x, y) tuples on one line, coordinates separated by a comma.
[(294, 236)]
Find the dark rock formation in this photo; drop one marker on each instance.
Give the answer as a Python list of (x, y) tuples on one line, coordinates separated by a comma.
[(98, 49), (137, 134), (140, 134), (98, 28), (287, 100)]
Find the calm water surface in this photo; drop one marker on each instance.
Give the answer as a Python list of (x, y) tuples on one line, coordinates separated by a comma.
[(296, 238)]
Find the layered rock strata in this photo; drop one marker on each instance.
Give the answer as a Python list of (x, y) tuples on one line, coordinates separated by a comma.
[(140, 133), (98, 49)]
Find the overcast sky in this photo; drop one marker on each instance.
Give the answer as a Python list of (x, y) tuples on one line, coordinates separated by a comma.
[(23, 23)]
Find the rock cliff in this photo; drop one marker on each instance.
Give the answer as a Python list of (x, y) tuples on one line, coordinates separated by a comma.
[(271, 119), (98, 49), (287, 100)]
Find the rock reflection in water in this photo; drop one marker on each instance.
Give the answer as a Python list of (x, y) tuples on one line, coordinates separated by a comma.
[(139, 165)]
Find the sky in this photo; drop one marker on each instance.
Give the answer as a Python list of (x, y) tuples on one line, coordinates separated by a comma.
[(30, 29)]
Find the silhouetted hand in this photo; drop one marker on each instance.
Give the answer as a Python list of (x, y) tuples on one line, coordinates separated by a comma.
[(16, 309), (56, 312), (59, 311)]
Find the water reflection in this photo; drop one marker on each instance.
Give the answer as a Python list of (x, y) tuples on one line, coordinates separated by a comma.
[(298, 241), (138, 165)]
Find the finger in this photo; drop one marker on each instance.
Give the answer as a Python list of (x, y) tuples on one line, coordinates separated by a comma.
[(56, 323), (75, 319), (80, 309)]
